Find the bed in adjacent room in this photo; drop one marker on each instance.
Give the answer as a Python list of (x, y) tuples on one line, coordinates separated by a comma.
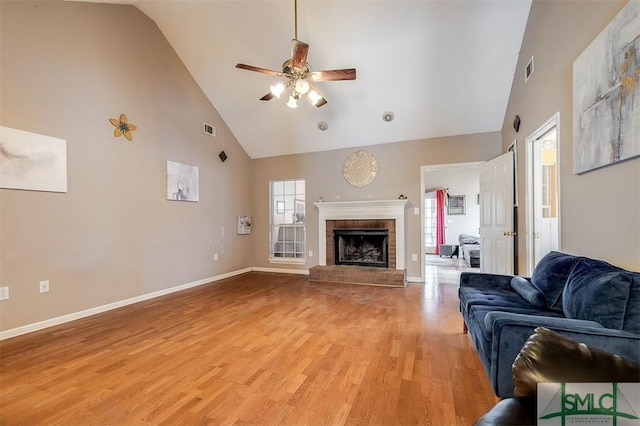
[(470, 249)]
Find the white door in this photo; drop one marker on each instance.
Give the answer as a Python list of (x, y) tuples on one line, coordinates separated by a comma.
[(496, 215)]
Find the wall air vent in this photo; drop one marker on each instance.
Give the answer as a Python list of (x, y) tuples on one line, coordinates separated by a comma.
[(209, 129), (528, 70)]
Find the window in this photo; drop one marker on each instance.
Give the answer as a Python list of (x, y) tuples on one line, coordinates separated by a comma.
[(549, 197), (430, 222), (287, 240)]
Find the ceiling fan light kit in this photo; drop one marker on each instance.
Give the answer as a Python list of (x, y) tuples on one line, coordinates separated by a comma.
[(277, 90), (292, 102), (298, 72)]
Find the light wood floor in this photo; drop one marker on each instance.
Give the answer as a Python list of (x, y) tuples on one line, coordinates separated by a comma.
[(260, 349)]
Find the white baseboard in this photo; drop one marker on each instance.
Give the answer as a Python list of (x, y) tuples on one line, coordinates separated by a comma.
[(414, 279), (115, 305), (281, 270)]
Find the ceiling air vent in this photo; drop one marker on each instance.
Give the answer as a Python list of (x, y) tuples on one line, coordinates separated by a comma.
[(528, 70), (209, 129)]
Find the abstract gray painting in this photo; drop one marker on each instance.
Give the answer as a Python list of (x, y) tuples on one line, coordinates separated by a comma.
[(606, 94), (31, 161)]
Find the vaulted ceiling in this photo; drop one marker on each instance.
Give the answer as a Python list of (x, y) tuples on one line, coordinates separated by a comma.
[(442, 67)]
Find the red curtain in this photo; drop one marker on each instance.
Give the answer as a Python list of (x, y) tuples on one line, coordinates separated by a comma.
[(440, 205)]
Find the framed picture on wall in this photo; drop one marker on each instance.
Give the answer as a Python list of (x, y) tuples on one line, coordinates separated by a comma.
[(456, 204), (244, 224)]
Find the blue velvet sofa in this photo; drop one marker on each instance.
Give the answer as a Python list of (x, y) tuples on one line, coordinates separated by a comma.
[(585, 299)]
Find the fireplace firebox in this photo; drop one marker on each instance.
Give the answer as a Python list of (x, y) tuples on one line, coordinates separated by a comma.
[(362, 247)]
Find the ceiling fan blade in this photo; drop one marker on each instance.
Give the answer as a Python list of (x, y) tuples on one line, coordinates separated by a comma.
[(258, 69), (299, 50), (334, 75), (268, 97)]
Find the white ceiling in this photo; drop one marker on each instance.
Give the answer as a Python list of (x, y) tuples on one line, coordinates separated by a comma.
[(442, 67)]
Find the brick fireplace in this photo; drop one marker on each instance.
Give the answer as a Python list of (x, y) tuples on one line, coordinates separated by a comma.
[(381, 215)]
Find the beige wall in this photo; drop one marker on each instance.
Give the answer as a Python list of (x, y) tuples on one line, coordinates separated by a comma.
[(399, 174), (599, 209), (66, 69)]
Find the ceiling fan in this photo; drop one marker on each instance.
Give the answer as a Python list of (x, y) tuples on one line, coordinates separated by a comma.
[(298, 72)]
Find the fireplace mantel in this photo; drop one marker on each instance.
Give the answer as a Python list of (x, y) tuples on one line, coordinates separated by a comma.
[(369, 209)]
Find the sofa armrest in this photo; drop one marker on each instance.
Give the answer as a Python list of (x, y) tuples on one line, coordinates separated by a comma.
[(510, 332), (484, 280)]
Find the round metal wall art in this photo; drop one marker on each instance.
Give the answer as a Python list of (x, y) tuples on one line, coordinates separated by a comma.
[(360, 168)]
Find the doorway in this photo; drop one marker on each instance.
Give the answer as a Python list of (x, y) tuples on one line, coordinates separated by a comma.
[(543, 188), (461, 180)]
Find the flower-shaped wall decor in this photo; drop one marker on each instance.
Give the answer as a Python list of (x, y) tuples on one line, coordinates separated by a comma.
[(123, 127)]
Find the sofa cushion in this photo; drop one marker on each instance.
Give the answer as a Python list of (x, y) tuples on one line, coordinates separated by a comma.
[(550, 275), (597, 291), (478, 314), (528, 291), (498, 297)]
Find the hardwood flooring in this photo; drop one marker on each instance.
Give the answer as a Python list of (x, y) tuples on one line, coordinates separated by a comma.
[(260, 348)]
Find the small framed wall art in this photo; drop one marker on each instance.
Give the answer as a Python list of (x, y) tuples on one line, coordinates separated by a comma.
[(244, 224), (456, 204), (182, 182)]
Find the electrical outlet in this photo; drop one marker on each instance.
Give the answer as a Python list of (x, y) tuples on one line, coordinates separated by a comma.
[(215, 256), (416, 211), (4, 293), (414, 257), (44, 286), (310, 253)]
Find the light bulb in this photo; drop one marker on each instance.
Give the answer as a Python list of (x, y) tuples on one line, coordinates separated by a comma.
[(292, 102), (302, 86), (277, 90), (314, 97)]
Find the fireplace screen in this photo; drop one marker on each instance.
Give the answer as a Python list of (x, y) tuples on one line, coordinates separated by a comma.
[(363, 247)]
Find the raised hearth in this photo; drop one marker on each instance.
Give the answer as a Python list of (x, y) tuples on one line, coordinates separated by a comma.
[(366, 275)]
